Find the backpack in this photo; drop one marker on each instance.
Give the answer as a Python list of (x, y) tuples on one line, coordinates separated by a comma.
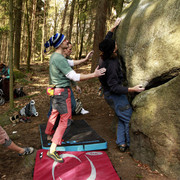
[(19, 92), (29, 109)]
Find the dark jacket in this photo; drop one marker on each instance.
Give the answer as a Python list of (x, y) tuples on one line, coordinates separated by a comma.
[(113, 78)]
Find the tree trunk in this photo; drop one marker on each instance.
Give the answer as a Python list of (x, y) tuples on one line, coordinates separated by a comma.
[(82, 38), (55, 18), (100, 29), (6, 59), (64, 16), (4, 46), (33, 25), (83, 31), (23, 47), (44, 29), (71, 19), (90, 34), (11, 52), (29, 37), (77, 34), (18, 14)]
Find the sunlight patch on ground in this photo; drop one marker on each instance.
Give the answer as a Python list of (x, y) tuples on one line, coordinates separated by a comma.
[(34, 93), (42, 85)]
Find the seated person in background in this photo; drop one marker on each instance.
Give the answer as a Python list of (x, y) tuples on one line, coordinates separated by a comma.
[(7, 142), (4, 80)]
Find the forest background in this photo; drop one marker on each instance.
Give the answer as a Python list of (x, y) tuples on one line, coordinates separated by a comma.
[(27, 24)]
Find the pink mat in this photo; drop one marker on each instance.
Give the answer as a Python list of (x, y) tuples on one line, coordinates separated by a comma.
[(92, 165)]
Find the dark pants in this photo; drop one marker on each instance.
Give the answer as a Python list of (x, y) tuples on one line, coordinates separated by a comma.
[(123, 111), (4, 85)]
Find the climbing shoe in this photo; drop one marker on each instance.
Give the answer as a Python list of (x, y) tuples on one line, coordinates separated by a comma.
[(122, 148), (55, 156)]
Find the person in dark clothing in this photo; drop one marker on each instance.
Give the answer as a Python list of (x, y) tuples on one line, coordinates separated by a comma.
[(115, 93), (4, 80)]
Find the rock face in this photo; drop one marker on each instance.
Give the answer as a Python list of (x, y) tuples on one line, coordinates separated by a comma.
[(149, 41), (155, 128)]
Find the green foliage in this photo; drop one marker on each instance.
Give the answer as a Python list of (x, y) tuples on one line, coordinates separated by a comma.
[(18, 74), (23, 81), (4, 120), (139, 176), (20, 77), (4, 117), (4, 29)]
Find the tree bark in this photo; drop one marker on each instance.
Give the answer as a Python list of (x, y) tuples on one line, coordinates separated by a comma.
[(77, 34), (44, 29), (55, 18), (29, 37), (82, 39), (18, 15), (33, 25), (11, 52), (23, 46), (100, 29), (83, 30), (64, 16), (71, 19)]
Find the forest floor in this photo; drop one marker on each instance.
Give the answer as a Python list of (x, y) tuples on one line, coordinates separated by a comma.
[(100, 118)]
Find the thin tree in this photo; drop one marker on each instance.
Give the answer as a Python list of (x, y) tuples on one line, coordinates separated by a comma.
[(44, 29), (33, 22), (83, 30), (29, 37), (55, 17), (77, 33), (71, 17), (11, 52), (64, 16)]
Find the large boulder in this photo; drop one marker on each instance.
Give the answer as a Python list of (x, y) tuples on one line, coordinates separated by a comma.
[(149, 42), (155, 128)]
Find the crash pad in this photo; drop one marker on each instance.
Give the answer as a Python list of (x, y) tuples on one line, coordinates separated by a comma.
[(78, 165), (79, 136)]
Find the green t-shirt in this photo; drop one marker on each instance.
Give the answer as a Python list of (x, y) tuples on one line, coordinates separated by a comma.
[(58, 68)]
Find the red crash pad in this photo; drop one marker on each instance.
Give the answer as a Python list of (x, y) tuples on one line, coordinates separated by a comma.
[(79, 165)]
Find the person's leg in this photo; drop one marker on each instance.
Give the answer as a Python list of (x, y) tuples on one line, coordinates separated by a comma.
[(73, 102), (63, 105), (124, 112), (21, 151), (57, 137), (120, 133), (50, 108), (5, 84), (14, 147), (50, 124), (8, 143)]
